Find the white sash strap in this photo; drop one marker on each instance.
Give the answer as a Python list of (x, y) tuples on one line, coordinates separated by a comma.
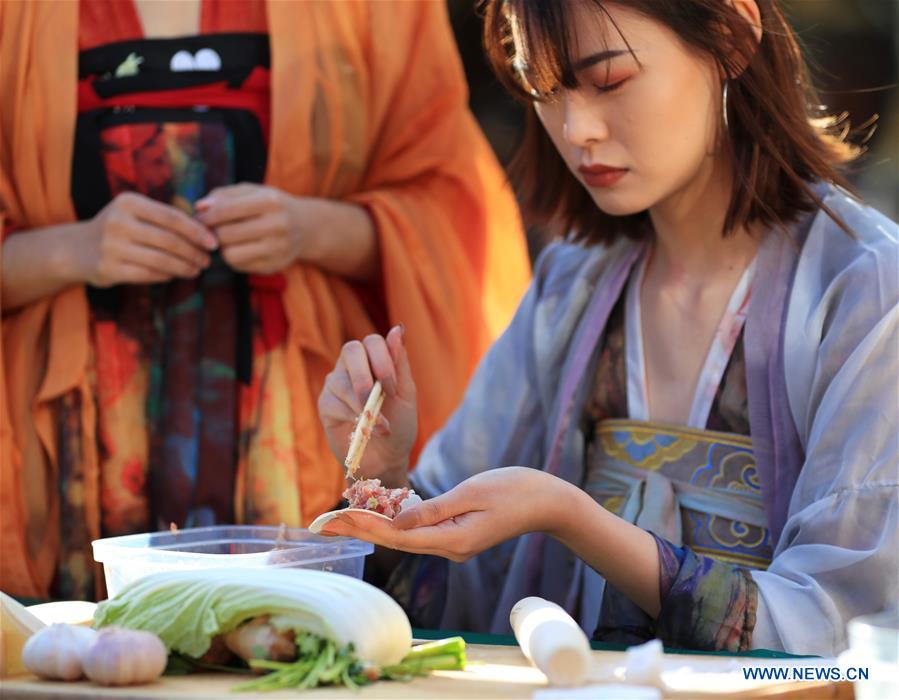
[(716, 360), (653, 501)]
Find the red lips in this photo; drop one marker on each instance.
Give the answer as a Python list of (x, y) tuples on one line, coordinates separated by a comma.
[(601, 175)]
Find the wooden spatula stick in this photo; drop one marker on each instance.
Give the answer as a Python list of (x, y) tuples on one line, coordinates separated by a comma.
[(364, 426)]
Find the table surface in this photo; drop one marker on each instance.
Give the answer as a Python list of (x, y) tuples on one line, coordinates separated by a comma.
[(493, 672)]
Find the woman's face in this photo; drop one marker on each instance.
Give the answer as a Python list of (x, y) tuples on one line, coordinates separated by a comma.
[(635, 134)]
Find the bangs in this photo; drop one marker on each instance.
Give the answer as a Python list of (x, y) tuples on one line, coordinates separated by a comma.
[(776, 136), (538, 53)]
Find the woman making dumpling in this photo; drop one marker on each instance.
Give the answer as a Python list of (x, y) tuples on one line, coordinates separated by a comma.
[(200, 202), (698, 392)]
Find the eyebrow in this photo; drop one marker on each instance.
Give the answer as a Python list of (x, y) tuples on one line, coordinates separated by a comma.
[(595, 58)]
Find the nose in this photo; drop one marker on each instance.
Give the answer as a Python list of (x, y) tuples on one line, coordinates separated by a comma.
[(584, 122)]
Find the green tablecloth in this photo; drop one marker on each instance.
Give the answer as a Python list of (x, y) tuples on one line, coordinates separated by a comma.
[(509, 640)]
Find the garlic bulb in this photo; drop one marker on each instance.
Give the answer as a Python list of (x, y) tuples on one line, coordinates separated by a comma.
[(120, 656), (55, 651)]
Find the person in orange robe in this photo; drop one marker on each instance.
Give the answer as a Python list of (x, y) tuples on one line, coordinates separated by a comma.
[(385, 206)]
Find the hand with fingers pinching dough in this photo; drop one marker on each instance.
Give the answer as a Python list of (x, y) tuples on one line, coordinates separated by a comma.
[(481, 512), (345, 392)]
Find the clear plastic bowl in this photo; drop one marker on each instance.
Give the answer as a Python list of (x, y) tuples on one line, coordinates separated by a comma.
[(131, 557)]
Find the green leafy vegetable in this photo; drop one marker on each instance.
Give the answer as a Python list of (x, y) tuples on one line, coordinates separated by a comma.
[(187, 609), (322, 663)]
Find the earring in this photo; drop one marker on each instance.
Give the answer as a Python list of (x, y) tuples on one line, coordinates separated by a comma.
[(724, 102)]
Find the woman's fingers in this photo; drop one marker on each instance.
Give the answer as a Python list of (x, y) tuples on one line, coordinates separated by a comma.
[(380, 533), (396, 345), (346, 391), (172, 219), (425, 513), (456, 502), (339, 402), (381, 362), (247, 257), (228, 205), (152, 236), (373, 359), (355, 361), (382, 426), (134, 274), (157, 261), (226, 192), (244, 231), (450, 538)]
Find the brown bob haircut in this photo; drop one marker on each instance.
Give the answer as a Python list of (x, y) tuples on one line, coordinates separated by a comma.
[(779, 137)]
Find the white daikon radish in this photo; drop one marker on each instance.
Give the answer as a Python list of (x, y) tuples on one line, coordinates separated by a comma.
[(552, 640)]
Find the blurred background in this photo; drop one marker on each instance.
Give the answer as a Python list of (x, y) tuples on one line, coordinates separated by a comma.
[(851, 45)]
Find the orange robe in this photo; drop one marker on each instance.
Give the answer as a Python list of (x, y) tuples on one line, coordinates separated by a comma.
[(368, 106)]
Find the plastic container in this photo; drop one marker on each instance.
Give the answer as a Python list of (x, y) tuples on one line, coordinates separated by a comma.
[(131, 557)]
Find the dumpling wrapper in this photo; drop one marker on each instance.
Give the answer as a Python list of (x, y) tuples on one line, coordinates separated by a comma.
[(319, 523)]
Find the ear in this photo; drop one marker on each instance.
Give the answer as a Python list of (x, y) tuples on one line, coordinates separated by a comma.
[(749, 10)]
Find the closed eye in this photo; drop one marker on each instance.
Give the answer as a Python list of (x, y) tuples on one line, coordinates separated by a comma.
[(611, 87)]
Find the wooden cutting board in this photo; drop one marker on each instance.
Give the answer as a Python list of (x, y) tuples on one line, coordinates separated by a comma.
[(493, 672)]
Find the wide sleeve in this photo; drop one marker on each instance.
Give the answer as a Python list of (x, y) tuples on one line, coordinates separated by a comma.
[(706, 604), (44, 346), (499, 422), (502, 419), (454, 263), (838, 555)]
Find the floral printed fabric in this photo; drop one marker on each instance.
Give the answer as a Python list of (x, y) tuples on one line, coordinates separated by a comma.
[(707, 602), (194, 423), (608, 399), (706, 605)]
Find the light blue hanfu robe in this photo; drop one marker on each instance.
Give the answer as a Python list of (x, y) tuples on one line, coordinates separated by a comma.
[(822, 365)]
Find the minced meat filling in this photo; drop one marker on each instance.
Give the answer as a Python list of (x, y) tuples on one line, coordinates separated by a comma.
[(370, 495)]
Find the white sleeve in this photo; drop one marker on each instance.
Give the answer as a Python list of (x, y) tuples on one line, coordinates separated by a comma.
[(838, 555)]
